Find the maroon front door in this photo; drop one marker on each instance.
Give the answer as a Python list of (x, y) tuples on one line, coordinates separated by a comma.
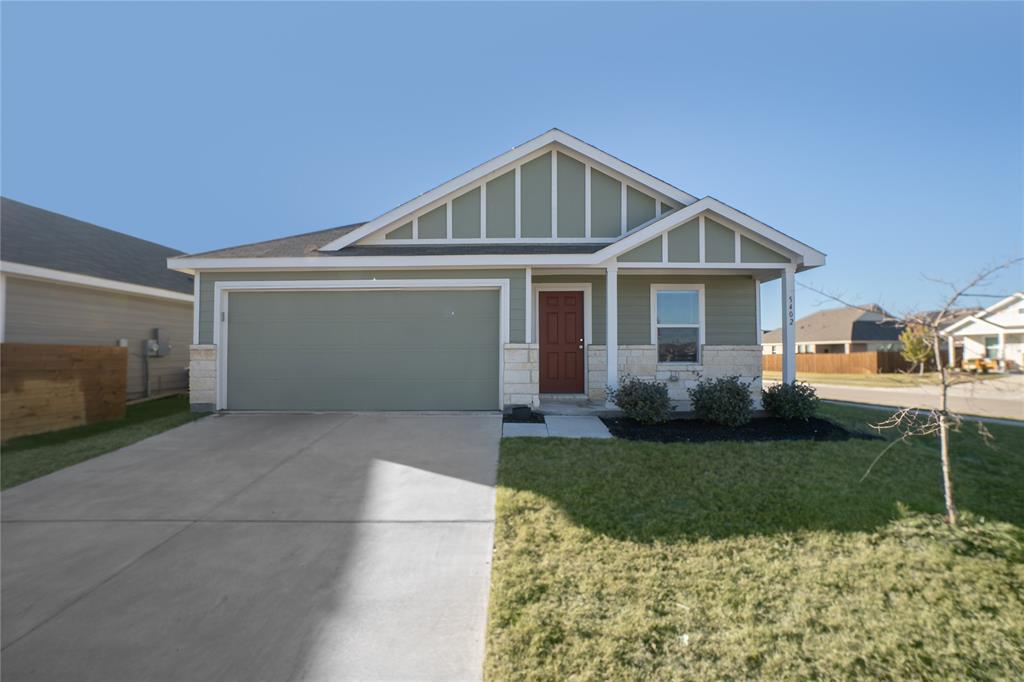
[(561, 341)]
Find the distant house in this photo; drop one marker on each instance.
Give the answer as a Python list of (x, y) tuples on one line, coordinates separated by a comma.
[(64, 281), (839, 330), (995, 333)]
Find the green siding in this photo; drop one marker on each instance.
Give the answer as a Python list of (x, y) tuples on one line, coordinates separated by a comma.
[(466, 215), (501, 206), (363, 350), (403, 232), (516, 277), (684, 243), (606, 205), (639, 208), (572, 209), (434, 224), (719, 243), (648, 252), (535, 197), (665, 208), (753, 252), (729, 308)]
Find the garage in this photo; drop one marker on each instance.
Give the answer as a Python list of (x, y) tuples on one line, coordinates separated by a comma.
[(358, 349)]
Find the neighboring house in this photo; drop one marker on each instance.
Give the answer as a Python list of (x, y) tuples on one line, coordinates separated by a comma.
[(840, 330), (554, 268), (64, 281), (995, 333)]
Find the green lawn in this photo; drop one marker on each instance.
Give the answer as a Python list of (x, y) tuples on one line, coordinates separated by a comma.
[(33, 456), (636, 561)]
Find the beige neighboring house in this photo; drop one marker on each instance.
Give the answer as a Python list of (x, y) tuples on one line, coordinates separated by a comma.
[(839, 330), (550, 270), (65, 281), (995, 333)]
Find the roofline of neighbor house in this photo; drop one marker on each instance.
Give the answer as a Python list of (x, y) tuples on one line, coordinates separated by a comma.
[(88, 281)]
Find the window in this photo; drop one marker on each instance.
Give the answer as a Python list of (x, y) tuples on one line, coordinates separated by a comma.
[(677, 321), (992, 347)]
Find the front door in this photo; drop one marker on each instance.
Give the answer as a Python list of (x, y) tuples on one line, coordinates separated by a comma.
[(561, 341)]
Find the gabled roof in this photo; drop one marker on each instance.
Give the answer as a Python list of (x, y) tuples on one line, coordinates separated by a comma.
[(553, 136), (43, 239), (305, 244), (840, 325), (982, 315)]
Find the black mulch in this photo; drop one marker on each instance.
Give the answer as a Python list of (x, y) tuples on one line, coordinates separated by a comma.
[(759, 429)]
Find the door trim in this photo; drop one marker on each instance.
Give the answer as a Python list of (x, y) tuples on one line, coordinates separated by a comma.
[(588, 319), (223, 289)]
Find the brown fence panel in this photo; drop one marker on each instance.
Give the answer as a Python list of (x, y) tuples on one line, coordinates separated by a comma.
[(46, 387), (870, 362)]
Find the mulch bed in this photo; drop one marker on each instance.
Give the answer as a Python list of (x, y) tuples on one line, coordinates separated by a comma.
[(758, 429)]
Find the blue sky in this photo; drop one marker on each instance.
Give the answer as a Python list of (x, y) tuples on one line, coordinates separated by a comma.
[(887, 135)]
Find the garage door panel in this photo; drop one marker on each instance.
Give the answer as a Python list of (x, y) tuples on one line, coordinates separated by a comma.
[(363, 350)]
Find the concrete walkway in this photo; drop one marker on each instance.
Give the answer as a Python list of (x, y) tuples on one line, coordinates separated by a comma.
[(558, 426), (258, 547)]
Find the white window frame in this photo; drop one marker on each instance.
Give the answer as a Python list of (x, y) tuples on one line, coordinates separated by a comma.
[(699, 288)]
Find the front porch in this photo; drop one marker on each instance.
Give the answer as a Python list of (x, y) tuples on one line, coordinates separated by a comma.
[(615, 329)]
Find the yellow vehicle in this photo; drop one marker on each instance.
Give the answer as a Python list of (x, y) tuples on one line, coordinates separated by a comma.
[(983, 365)]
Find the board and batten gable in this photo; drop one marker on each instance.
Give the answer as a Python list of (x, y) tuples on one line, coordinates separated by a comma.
[(554, 194), (702, 240), (516, 277)]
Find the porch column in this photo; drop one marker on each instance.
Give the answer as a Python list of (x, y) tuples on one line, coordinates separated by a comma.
[(788, 325), (612, 324), (951, 351), (1002, 350)]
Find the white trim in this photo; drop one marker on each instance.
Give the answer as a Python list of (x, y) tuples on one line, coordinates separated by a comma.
[(489, 242), (196, 300), (498, 163), (586, 199), (622, 207), (588, 320), (699, 288), (664, 248), (448, 220), (483, 211), (221, 306), (980, 316), (700, 239), (736, 246), (611, 330), (34, 272), (788, 332), (528, 322), (554, 194), (519, 202), (415, 228)]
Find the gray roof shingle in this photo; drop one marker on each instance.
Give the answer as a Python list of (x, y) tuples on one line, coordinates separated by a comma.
[(840, 324), (34, 236)]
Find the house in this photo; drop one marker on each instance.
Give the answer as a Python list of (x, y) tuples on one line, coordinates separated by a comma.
[(554, 268), (64, 281), (995, 333), (840, 330)]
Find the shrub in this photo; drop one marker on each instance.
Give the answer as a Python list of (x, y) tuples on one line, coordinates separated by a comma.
[(645, 401), (790, 401), (724, 401)]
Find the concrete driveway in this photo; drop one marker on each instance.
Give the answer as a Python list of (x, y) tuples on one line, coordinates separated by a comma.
[(258, 547)]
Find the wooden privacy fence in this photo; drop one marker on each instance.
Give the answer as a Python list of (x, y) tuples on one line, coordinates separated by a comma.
[(46, 387), (870, 362)]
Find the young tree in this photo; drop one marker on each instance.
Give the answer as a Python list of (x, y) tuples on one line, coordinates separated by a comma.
[(917, 346), (917, 421)]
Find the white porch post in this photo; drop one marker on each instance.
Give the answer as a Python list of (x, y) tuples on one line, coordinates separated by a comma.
[(612, 324), (951, 350), (788, 325), (1002, 350)]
